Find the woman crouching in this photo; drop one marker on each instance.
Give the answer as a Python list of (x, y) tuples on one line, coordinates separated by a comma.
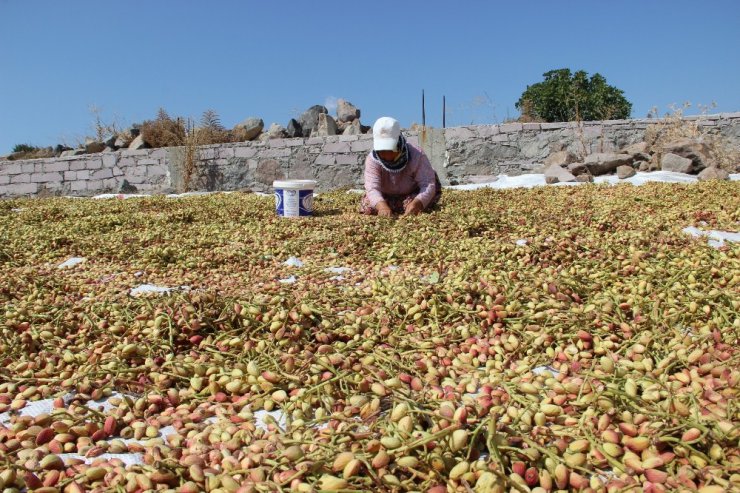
[(399, 179)]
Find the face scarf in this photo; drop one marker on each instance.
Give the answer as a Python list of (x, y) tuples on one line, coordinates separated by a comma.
[(402, 159)]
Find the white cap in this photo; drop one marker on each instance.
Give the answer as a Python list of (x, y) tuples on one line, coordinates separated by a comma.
[(385, 134)]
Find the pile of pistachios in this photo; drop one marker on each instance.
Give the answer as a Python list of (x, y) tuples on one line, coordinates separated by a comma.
[(545, 339)]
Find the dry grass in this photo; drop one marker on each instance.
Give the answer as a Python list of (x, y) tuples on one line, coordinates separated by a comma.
[(102, 129), (674, 127), (25, 151), (192, 154), (208, 135)]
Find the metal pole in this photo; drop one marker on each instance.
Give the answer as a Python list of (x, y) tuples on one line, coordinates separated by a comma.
[(444, 112), (423, 111)]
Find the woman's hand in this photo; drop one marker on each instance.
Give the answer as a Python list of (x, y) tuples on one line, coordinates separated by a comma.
[(414, 207), (383, 209)]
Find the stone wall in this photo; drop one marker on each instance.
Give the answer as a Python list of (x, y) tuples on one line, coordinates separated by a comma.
[(476, 152), (459, 154)]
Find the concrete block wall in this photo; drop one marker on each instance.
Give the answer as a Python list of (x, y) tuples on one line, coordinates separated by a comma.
[(85, 174), (459, 154), (334, 161)]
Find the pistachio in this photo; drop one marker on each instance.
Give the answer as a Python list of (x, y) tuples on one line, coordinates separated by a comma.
[(608, 341)]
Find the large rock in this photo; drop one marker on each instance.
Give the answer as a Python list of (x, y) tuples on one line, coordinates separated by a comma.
[(294, 128), (674, 162), (555, 174), (72, 152), (694, 149), (352, 128), (346, 111), (654, 163), (137, 143), (122, 140), (249, 128), (637, 148), (713, 173), (602, 163), (276, 131), (578, 169), (327, 126), (625, 172), (309, 120), (560, 158), (341, 126)]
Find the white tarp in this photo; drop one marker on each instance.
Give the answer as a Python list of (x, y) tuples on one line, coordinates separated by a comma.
[(71, 262), (536, 180), (293, 262), (46, 406), (152, 288), (500, 182), (716, 238)]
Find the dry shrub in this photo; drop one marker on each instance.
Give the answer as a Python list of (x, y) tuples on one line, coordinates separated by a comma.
[(211, 131), (674, 127), (208, 135), (164, 131), (24, 151), (192, 154)]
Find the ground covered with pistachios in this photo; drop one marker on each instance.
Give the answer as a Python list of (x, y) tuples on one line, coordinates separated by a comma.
[(554, 338)]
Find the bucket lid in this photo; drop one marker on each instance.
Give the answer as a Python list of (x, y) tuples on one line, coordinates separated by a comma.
[(295, 184)]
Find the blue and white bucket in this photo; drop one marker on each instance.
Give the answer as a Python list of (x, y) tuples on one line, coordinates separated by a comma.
[(294, 198)]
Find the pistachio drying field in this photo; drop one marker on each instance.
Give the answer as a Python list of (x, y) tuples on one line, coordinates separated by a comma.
[(544, 339)]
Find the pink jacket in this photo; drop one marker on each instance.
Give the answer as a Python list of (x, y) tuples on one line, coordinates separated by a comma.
[(418, 174)]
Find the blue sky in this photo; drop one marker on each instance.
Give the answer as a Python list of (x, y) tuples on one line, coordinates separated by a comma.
[(275, 59)]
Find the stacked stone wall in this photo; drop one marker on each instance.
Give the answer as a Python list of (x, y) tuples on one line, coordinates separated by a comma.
[(459, 154)]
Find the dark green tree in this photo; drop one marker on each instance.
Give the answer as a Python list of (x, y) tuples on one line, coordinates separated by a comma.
[(564, 97)]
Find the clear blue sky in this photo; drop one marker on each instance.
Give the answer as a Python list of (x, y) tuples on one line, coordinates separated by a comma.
[(275, 59)]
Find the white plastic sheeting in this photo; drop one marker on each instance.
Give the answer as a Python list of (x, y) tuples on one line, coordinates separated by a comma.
[(537, 180), (71, 262), (293, 262), (716, 238), (152, 288)]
